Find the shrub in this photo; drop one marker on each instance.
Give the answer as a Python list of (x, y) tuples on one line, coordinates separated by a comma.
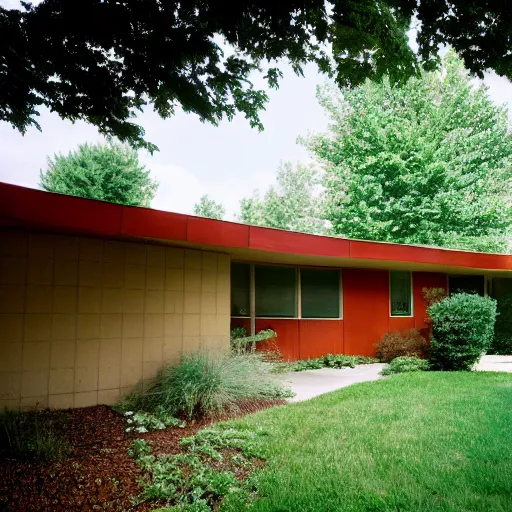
[(408, 343), (242, 344), (462, 329), (203, 384), (405, 364), (433, 295), (33, 435)]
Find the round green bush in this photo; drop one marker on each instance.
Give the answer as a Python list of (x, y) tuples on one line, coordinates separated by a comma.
[(462, 330)]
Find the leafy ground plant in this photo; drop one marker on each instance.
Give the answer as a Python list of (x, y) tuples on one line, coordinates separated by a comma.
[(331, 361), (142, 422), (33, 435), (204, 384), (404, 365), (212, 470), (421, 441)]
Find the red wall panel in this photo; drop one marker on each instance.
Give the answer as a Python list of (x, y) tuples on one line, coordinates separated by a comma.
[(365, 309), (366, 318), (425, 280), (400, 323), (320, 337), (287, 335)]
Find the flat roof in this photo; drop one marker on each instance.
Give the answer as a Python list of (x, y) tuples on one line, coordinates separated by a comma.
[(30, 209)]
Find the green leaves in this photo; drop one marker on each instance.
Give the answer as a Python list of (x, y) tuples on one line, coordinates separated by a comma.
[(428, 162), (294, 204), (207, 207), (106, 172), (462, 329)]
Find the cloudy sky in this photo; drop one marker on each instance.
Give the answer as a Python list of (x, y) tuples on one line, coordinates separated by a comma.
[(227, 162)]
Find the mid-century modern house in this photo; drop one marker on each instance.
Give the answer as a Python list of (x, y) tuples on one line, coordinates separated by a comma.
[(96, 296)]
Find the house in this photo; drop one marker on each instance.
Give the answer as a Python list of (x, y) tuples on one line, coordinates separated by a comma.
[(95, 296)]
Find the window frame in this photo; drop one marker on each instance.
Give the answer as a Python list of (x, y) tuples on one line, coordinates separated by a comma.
[(298, 291), (411, 315)]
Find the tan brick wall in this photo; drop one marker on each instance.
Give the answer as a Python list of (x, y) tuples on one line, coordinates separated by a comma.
[(82, 320)]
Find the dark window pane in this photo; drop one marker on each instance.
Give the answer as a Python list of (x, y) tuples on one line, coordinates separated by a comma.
[(276, 292), (320, 293), (400, 292), (466, 284), (502, 292), (240, 286)]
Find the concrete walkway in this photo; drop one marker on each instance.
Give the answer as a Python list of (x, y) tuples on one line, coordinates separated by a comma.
[(311, 383), (495, 364)]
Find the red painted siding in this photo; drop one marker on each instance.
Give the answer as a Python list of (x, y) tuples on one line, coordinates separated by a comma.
[(287, 335), (366, 318), (400, 323), (365, 309), (320, 337)]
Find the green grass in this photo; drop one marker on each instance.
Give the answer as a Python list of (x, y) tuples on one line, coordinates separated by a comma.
[(412, 442)]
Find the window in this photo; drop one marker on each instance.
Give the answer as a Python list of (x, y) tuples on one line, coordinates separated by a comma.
[(320, 293), (400, 293), (276, 291), (240, 289), (466, 284)]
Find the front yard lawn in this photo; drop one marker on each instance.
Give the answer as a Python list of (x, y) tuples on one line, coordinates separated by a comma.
[(426, 441)]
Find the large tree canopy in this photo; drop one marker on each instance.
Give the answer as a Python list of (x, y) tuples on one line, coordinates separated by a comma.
[(295, 203), (107, 172), (427, 163), (102, 61)]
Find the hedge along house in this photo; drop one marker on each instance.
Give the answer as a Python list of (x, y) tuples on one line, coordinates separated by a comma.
[(95, 296)]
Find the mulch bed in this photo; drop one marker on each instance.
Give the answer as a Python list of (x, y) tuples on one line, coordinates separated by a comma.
[(99, 474)]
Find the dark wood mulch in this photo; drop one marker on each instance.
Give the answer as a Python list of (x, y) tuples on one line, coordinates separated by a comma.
[(99, 474)]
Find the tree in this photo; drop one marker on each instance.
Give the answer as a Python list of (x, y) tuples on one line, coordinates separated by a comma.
[(295, 204), (426, 163), (107, 172), (209, 208), (102, 61)]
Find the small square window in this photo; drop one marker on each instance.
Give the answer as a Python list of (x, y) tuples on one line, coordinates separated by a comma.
[(400, 292)]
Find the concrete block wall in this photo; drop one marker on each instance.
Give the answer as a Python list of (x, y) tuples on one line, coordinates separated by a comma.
[(83, 320)]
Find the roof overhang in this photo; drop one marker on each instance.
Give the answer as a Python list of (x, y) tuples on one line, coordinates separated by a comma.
[(35, 210)]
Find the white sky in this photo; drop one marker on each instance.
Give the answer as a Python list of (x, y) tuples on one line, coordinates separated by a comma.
[(227, 162)]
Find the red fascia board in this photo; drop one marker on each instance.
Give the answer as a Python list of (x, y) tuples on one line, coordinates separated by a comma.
[(412, 254), (39, 208), (25, 207), (289, 242), (219, 233), (147, 223)]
